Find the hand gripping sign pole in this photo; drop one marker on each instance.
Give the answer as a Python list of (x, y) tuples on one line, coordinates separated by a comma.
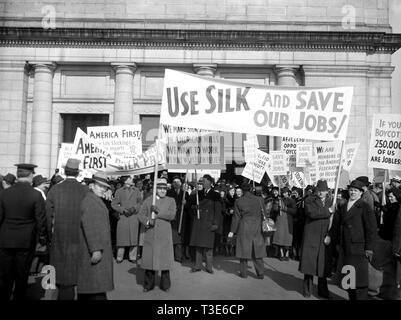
[(156, 172), (182, 202)]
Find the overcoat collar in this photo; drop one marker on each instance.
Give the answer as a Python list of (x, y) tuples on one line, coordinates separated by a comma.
[(346, 215)]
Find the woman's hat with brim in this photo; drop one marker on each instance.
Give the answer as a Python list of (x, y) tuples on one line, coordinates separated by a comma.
[(357, 185), (101, 178)]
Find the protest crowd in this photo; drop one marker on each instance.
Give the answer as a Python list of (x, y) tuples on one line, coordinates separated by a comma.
[(83, 226)]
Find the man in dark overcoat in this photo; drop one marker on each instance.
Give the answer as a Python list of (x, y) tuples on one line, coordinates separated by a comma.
[(95, 276), (22, 224), (205, 226), (178, 195), (247, 225), (356, 229), (315, 255), (64, 218)]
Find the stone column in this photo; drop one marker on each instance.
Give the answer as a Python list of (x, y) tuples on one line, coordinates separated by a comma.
[(123, 96), (286, 76), (41, 136)]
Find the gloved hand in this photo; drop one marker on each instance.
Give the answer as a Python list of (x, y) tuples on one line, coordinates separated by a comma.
[(132, 211), (214, 227), (327, 240), (154, 209), (126, 213)]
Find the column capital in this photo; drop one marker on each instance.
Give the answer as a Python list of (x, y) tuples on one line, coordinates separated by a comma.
[(43, 65), (124, 67), (286, 74), (205, 69)]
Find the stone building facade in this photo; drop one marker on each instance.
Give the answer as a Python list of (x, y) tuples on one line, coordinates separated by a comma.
[(103, 62)]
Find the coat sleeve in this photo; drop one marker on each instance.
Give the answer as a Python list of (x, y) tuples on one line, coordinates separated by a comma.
[(50, 211), (236, 218), (334, 231), (397, 234), (143, 214), (217, 217), (92, 225), (170, 213), (1, 210), (315, 211), (40, 217), (370, 226), (116, 203), (291, 207)]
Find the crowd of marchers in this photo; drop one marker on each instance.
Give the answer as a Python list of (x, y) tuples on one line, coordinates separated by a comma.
[(85, 225)]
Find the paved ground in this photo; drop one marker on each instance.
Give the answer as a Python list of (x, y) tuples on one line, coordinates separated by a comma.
[(282, 281)]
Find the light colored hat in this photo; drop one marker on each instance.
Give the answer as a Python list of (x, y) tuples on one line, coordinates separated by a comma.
[(161, 182), (101, 178)]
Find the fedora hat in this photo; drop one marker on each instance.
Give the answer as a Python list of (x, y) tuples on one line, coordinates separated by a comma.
[(322, 185), (72, 164), (101, 178), (38, 180), (357, 184), (9, 178)]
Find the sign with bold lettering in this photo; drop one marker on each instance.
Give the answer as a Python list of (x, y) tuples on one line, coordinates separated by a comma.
[(328, 160), (279, 163), (214, 104), (123, 141), (385, 142)]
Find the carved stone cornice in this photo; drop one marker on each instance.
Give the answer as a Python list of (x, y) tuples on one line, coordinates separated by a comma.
[(369, 42)]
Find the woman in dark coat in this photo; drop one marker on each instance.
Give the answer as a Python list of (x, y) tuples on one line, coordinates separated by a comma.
[(284, 224), (390, 211), (247, 225), (95, 260), (315, 257), (227, 219), (355, 227)]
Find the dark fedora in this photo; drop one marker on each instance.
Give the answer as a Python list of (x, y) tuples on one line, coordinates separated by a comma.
[(357, 184), (38, 180), (364, 180), (9, 178), (101, 178), (322, 185), (284, 190)]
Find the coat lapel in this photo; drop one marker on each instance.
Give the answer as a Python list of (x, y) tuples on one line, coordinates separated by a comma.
[(354, 209)]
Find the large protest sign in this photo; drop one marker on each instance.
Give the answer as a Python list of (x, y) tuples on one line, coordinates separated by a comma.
[(95, 158), (213, 104), (279, 163), (385, 142), (254, 170), (380, 175), (328, 159), (215, 174), (192, 148), (123, 141), (304, 154), (350, 152), (298, 179)]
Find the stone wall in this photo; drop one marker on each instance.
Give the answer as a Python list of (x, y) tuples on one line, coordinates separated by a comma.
[(320, 15)]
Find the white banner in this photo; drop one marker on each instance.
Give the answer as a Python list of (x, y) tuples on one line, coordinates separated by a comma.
[(304, 154), (193, 148), (213, 104), (254, 170), (249, 150), (385, 142), (328, 160), (349, 156), (280, 163), (298, 179), (123, 141)]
